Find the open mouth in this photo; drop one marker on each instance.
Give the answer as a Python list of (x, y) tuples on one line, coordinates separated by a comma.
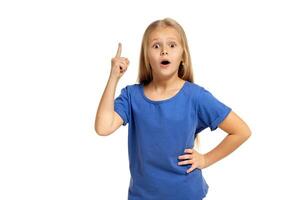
[(165, 62)]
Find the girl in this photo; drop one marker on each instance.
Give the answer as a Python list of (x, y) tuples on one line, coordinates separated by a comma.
[(165, 112)]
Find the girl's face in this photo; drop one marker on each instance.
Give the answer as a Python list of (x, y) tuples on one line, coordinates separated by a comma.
[(164, 51)]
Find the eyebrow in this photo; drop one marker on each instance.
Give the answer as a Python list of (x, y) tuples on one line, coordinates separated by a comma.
[(170, 38)]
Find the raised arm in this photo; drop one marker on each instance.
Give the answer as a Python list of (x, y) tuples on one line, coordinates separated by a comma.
[(107, 120)]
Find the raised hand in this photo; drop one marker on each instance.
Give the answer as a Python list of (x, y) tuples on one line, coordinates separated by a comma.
[(118, 64)]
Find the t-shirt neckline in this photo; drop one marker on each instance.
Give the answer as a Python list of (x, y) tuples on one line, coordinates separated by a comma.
[(165, 100)]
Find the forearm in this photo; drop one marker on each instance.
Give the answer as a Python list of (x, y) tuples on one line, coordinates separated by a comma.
[(105, 111), (227, 146)]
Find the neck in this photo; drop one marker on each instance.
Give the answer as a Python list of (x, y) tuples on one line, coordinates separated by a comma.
[(165, 84)]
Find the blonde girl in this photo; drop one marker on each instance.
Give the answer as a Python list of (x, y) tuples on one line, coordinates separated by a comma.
[(165, 112)]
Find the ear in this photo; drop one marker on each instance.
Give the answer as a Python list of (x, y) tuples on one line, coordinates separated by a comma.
[(181, 63)]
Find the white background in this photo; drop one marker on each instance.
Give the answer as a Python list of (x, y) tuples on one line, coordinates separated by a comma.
[(55, 62)]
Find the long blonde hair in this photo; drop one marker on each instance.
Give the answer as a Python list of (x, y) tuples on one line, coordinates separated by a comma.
[(185, 70)]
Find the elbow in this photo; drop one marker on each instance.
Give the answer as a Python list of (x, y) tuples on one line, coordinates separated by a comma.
[(101, 132), (246, 134), (243, 135)]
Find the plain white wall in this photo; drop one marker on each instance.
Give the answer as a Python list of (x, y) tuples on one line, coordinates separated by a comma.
[(55, 62)]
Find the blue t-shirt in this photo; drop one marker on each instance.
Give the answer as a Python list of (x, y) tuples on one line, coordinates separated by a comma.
[(158, 133)]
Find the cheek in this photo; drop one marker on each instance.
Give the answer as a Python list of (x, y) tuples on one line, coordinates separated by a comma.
[(152, 57), (175, 53), (179, 58), (179, 54), (151, 60)]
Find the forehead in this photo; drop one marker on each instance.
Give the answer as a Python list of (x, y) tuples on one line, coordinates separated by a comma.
[(164, 33)]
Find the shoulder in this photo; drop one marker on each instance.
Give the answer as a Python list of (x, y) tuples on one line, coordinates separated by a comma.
[(133, 86), (194, 86), (195, 90), (130, 89), (200, 95)]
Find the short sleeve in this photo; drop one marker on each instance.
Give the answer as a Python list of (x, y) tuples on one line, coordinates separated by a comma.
[(210, 111), (121, 105)]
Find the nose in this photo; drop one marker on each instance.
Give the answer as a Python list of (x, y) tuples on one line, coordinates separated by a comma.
[(164, 52)]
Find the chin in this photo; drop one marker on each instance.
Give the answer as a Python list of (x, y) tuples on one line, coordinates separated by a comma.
[(166, 74)]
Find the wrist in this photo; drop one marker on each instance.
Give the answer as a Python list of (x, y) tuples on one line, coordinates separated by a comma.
[(206, 161), (113, 78)]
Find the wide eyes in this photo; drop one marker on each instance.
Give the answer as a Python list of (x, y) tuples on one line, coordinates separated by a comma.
[(157, 45)]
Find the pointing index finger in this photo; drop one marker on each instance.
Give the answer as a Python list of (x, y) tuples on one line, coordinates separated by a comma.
[(119, 50)]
